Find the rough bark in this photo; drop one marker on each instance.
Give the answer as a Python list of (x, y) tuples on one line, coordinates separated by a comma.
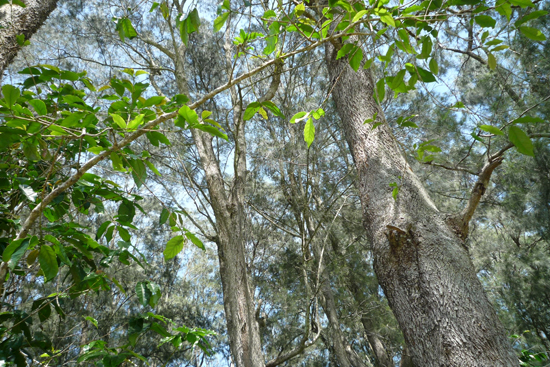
[(228, 207), (422, 265), (15, 20)]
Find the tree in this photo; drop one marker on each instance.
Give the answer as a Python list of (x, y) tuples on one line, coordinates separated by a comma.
[(18, 22), (420, 254), (420, 257)]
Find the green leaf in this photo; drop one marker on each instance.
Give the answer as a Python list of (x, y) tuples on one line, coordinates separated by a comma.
[(345, 50), (300, 9), (132, 125), (143, 293), (39, 106), (491, 61), (173, 247), (534, 15), (532, 33), (195, 240), (485, 21), (395, 190), (102, 228), (155, 137), (358, 16), (528, 119), (397, 80), (317, 114), (388, 19), (15, 250), (118, 120), (309, 132), (271, 44), (356, 58), (211, 130), (139, 173), (299, 117), (153, 168), (425, 75), (189, 115), (48, 262), (427, 45), (124, 234), (155, 293), (491, 129), (520, 139), (504, 9), (125, 29), (220, 21), (184, 34), (10, 94), (273, 108), (434, 68), (381, 90), (91, 319), (164, 216), (194, 21), (153, 101), (251, 110), (500, 48), (368, 63), (522, 3), (154, 6), (117, 162)]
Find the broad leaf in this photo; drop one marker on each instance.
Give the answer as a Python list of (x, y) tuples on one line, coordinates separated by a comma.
[(10, 94), (173, 247), (532, 33), (220, 21), (195, 240), (48, 262), (143, 293), (485, 21), (491, 129), (520, 139), (309, 132)]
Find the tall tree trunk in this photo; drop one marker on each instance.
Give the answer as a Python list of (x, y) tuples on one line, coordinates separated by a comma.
[(420, 261), (16, 20), (242, 327), (228, 208)]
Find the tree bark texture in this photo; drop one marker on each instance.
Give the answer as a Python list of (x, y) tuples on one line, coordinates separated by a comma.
[(16, 20), (228, 207), (422, 265)]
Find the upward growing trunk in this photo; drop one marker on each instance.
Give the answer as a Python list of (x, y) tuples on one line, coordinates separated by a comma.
[(15, 20), (228, 207), (421, 263)]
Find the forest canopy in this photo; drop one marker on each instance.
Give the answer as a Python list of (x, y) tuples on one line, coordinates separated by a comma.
[(274, 183)]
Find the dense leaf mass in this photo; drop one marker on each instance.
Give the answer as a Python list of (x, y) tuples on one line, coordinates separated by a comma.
[(181, 183)]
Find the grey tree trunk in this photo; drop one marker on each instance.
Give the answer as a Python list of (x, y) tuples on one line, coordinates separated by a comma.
[(228, 208), (420, 261), (15, 20)]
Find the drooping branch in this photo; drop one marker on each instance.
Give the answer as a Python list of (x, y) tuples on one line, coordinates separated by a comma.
[(15, 21)]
